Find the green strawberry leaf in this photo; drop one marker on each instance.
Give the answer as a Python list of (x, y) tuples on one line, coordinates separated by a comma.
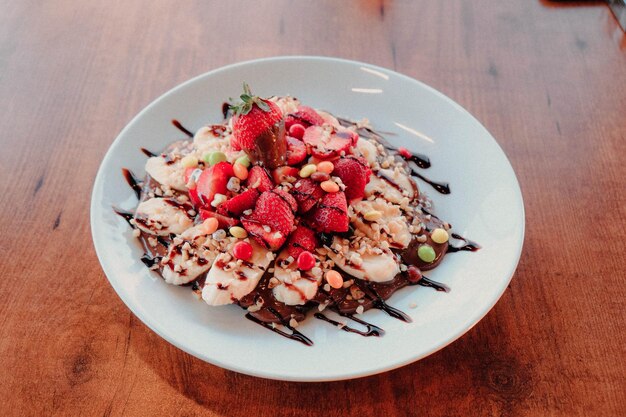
[(248, 101), (246, 89), (262, 105)]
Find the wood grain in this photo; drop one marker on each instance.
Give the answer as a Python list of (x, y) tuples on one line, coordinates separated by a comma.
[(548, 80)]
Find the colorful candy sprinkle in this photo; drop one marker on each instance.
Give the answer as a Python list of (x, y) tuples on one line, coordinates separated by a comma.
[(320, 176), (426, 253), (238, 232), (213, 158), (240, 170), (306, 261), (439, 236), (243, 160), (334, 279), (330, 186), (210, 225), (307, 170), (326, 167), (404, 152), (242, 250), (414, 274)]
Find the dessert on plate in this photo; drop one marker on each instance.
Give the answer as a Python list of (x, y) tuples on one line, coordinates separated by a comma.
[(289, 211)]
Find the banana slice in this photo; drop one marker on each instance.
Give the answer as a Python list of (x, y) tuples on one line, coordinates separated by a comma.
[(228, 280), (169, 173), (295, 287), (391, 226), (391, 184), (190, 255), (376, 264), (379, 187), (162, 216), (211, 137)]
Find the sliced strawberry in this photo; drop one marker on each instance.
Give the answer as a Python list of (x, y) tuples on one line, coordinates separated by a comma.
[(354, 173), (287, 198), (193, 192), (309, 115), (272, 219), (194, 198), (285, 174), (263, 234), (276, 209), (296, 151), (328, 142), (223, 222), (331, 215), (258, 178), (307, 193), (213, 181), (304, 115), (235, 206), (302, 239)]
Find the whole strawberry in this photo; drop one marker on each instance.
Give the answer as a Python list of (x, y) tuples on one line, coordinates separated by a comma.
[(259, 129)]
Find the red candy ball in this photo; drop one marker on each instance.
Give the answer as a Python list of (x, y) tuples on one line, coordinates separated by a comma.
[(296, 131), (243, 251), (414, 274), (404, 152), (306, 261)]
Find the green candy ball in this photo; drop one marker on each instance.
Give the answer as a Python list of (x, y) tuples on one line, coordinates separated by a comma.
[(426, 253), (243, 160), (214, 157)]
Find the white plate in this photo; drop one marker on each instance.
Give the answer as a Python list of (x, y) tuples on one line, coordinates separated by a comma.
[(485, 205)]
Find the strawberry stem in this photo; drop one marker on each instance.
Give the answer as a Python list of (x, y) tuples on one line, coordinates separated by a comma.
[(246, 89), (248, 101)]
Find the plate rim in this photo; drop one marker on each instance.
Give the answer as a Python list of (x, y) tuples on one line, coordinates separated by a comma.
[(155, 327)]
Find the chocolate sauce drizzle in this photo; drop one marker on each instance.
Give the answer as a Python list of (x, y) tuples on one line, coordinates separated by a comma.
[(163, 241), (126, 215), (132, 180), (419, 159), (441, 187), (372, 330), (226, 110), (150, 261), (148, 153), (427, 282), (294, 335), (469, 246), (380, 304), (182, 128)]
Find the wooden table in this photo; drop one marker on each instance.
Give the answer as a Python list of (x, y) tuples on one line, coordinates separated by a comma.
[(548, 79)]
